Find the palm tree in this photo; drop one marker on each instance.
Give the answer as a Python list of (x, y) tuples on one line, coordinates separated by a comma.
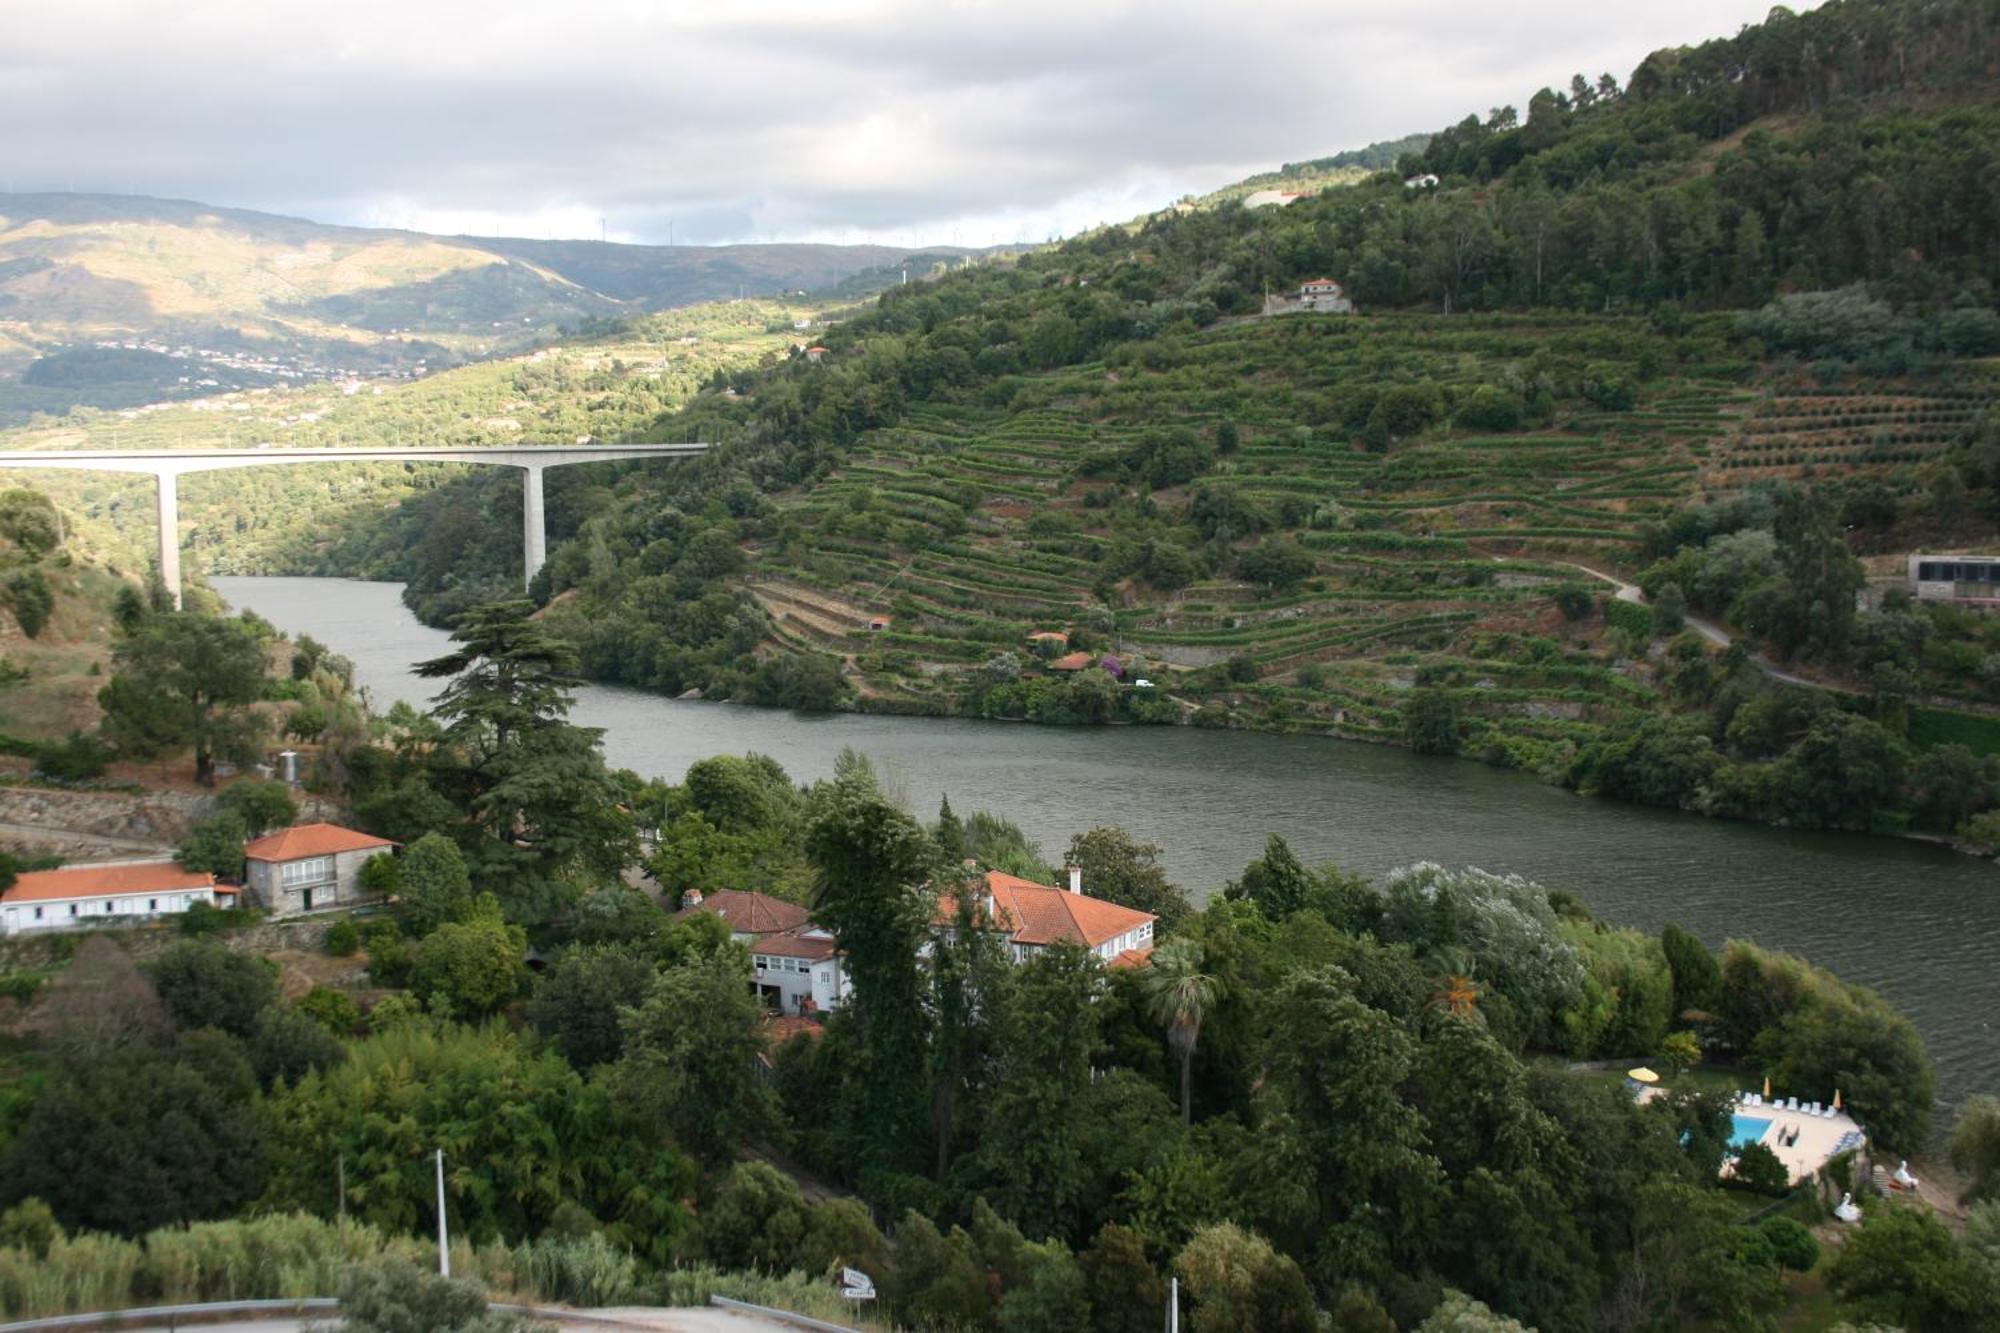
[(1180, 995)]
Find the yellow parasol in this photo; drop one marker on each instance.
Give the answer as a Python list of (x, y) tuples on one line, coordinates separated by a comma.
[(1836, 1099), (1767, 1087), (1642, 1075)]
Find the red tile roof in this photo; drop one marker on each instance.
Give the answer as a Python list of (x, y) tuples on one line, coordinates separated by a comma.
[(303, 840), (794, 944), (1134, 957), (41, 886), (1072, 662), (1035, 914), (751, 913)]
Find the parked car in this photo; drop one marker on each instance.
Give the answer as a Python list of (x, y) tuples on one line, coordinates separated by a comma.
[(1142, 684)]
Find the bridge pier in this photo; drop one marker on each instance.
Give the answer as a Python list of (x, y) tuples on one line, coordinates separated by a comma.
[(534, 534), (167, 500), (166, 466)]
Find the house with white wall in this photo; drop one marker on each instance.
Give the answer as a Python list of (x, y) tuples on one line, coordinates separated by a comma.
[(309, 868), (109, 893), (792, 960), (1324, 295), (795, 962), (1034, 916)]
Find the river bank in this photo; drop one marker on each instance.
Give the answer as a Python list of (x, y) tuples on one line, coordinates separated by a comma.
[(1914, 920)]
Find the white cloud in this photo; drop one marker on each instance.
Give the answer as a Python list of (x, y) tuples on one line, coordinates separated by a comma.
[(899, 120)]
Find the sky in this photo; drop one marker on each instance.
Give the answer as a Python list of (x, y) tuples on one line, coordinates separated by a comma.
[(905, 122)]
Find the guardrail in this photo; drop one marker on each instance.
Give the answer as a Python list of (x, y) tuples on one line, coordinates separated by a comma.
[(783, 1316), (212, 1312), (172, 1314)]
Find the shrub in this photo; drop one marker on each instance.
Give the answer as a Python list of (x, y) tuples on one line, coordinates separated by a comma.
[(1574, 601), (1791, 1243), (33, 601), (78, 759), (1430, 722), (343, 938), (333, 1010)]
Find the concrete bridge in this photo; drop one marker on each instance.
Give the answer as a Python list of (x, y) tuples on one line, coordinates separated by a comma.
[(167, 466)]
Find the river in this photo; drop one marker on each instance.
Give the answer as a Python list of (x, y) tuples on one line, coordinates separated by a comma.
[(1912, 920)]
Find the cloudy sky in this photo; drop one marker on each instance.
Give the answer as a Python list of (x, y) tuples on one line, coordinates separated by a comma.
[(904, 121)]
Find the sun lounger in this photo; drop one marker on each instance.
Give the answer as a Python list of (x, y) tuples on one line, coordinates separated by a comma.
[(1791, 1103), (1812, 1108)]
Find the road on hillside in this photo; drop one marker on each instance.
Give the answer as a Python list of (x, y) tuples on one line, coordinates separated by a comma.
[(1710, 630), (692, 1320)]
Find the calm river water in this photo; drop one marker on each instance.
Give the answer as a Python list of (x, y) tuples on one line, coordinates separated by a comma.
[(1918, 923)]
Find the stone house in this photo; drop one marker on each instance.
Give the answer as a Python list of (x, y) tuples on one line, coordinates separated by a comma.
[(309, 868)]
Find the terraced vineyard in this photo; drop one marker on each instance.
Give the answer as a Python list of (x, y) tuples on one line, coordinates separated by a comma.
[(1804, 433), (1433, 560)]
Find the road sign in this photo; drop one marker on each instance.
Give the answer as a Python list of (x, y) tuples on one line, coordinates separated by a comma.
[(856, 1285)]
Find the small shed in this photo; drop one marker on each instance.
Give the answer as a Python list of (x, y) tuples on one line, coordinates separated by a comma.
[(1072, 662)]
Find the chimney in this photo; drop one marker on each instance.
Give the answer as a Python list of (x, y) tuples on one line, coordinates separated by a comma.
[(1075, 878), (691, 898)]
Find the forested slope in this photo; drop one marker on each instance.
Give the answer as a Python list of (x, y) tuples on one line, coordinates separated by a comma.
[(1750, 296)]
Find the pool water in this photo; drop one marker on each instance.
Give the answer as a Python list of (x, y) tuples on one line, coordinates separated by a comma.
[(1745, 1130)]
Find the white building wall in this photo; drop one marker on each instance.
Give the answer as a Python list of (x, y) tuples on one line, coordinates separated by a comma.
[(77, 913)]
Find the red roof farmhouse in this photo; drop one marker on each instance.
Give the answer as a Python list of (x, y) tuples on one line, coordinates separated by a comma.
[(309, 868)]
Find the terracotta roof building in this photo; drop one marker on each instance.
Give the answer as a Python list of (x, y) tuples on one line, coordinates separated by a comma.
[(1072, 662), (120, 892), (1034, 916), (747, 914), (309, 868)]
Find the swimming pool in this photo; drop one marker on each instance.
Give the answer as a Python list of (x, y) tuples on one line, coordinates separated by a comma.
[(1747, 1129)]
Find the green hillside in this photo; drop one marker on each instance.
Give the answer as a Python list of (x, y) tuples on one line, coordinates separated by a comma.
[(119, 301), (1721, 334), (1747, 300)]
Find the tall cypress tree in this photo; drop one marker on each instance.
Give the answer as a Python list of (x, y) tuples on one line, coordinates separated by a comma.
[(542, 813)]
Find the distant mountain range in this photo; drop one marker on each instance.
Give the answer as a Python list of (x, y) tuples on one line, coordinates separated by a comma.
[(116, 300)]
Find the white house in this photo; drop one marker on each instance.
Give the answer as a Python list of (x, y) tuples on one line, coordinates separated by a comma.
[(796, 962), (1272, 198), (1423, 182), (309, 868), (792, 959), (109, 893), (1324, 294), (798, 971), (1034, 916)]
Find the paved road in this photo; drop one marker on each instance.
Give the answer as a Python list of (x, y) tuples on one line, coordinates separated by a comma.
[(1708, 629), (693, 1320)]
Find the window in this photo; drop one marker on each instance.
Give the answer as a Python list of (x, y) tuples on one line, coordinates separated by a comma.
[(312, 870), (38, 914), (72, 909), (109, 907), (152, 904)]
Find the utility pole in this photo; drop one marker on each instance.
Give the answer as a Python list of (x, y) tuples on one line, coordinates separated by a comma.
[(444, 1244), (1174, 1305)]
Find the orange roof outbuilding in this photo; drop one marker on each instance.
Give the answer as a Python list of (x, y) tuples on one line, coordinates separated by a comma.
[(42, 886), (303, 840), (1072, 662)]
